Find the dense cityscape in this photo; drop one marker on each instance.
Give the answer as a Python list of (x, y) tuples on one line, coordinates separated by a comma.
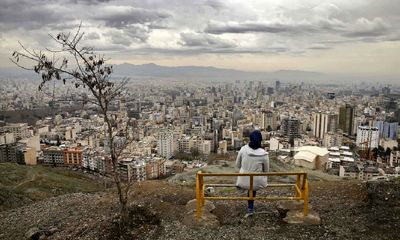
[(205, 119), (349, 133)]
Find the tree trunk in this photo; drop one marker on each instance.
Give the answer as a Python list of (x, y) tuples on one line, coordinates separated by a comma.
[(123, 199)]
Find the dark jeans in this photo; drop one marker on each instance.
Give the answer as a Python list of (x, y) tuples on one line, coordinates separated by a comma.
[(251, 202)]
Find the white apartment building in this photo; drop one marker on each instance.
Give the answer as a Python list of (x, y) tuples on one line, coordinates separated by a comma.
[(165, 144), (367, 137)]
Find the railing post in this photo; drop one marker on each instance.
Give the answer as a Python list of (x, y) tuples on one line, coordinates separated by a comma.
[(298, 194), (251, 187), (202, 187), (198, 196), (305, 196)]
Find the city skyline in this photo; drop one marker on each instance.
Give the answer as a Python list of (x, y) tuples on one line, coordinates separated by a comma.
[(334, 37)]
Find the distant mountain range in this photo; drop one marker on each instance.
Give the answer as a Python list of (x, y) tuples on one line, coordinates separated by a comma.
[(152, 70)]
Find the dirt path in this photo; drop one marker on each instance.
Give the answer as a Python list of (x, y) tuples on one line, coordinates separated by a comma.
[(31, 179)]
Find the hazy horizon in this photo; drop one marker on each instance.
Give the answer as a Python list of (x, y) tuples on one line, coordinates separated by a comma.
[(357, 37)]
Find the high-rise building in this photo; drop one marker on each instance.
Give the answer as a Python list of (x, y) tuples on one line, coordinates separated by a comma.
[(387, 130), (268, 121), (397, 115), (346, 119), (236, 116), (165, 144), (323, 123), (291, 127), (277, 85), (367, 137)]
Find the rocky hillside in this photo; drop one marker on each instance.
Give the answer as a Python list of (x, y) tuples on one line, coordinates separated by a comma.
[(158, 212)]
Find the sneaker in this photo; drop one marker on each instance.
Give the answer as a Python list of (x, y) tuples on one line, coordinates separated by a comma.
[(250, 212)]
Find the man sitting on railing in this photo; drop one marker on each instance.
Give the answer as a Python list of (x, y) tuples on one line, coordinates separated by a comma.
[(252, 158)]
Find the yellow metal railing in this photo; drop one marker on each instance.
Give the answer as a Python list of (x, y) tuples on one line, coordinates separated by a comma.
[(301, 188)]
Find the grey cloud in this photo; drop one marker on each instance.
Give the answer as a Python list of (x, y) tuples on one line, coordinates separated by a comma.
[(24, 14), (135, 33), (121, 39), (92, 36), (246, 27), (215, 4), (122, 16), (202, 40), (252, 27), (128, 24), (202, 50), (367, 28), (319, 46), (88, 2)]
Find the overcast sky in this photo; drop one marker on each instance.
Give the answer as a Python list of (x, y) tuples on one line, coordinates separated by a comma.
[(356, 36)]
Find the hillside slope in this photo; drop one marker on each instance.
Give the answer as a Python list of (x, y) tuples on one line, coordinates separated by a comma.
[(20, 185)]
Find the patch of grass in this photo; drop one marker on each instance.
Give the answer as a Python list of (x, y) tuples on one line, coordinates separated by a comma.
[(20, 185)]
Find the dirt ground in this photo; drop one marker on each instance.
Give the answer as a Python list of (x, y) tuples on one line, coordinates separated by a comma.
[(160, 208)]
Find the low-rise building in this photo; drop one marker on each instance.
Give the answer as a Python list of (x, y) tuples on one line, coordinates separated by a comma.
[(131, 170), (311, 157), (73, 157), (53, 156), (155, 168)]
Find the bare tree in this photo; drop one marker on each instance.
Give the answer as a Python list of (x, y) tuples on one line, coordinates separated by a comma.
[(84, 68)]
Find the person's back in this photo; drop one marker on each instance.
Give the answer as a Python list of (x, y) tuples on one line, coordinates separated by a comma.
[(252, 158)]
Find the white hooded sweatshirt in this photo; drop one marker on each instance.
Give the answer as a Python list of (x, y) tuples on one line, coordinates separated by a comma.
[(252, 160)]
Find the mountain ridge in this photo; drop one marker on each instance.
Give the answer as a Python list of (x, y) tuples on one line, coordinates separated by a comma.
[(200, 73)]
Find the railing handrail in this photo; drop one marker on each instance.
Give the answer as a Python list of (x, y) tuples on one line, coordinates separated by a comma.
[(254, 174), (301, 188)]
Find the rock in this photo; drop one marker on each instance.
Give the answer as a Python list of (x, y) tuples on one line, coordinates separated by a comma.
[(297, 217), (42, 237), (191, 206), (286, 205), (52, 230), (208, 220), (34, 233)]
